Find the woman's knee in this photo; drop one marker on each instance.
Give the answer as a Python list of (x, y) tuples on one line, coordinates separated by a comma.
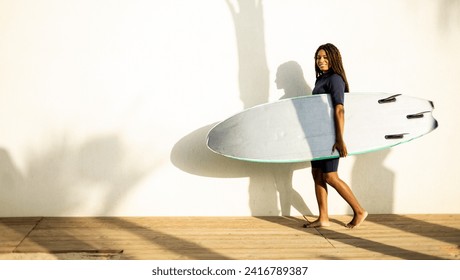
[(317, 175), (331, 178)]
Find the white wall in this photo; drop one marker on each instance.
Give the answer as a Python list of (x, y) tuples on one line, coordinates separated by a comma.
[(105, 105)]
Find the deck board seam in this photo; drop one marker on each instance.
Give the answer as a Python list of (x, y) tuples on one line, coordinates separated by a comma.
[(325, 237), (27, 235)]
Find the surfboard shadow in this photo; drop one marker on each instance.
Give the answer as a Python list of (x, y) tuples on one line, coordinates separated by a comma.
[(268, 181), (318, 132), (190, 154)]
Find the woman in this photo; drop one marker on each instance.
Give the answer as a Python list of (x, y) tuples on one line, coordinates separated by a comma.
[(331, 79)]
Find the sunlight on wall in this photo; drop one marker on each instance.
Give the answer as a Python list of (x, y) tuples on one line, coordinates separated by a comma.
[(105, 105)]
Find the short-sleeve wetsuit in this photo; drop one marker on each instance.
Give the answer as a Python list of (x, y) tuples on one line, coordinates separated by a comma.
[(334, 85)]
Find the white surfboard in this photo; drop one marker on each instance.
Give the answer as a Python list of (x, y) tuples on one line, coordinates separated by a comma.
[(302, 128)]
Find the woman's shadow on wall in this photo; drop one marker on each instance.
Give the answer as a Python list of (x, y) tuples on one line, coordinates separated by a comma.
[(376, 188), (267, 182), (270, 189)]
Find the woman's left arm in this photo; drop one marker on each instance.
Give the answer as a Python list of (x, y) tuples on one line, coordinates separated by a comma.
[(339, 117)]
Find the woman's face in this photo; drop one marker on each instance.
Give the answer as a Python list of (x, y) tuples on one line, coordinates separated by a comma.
[(322, 61)]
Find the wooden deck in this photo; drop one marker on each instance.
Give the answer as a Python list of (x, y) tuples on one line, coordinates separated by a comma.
[(415, 237)]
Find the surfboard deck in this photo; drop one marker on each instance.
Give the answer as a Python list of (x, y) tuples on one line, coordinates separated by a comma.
[(302, 128)]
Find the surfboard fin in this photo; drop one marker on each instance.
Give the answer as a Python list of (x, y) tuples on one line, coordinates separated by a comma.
[(417, 115), (389, 99), (395, 136)]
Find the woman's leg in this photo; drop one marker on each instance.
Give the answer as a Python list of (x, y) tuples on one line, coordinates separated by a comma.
[(321, 198), (360, 214)]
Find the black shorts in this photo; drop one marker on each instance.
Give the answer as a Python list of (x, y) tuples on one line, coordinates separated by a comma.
[(326, 165)]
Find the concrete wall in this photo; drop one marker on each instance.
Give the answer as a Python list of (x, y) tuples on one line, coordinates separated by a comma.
[(105, 105)]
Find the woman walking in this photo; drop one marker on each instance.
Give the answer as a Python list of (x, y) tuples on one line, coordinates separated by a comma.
[(331, 79)]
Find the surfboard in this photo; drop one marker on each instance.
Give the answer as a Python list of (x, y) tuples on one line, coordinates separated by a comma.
[(302, 128)]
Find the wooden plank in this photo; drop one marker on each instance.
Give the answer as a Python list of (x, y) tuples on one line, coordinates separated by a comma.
[(13, 231), (380, 237)]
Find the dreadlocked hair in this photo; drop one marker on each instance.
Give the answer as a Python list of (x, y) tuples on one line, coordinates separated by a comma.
[(335, 61)]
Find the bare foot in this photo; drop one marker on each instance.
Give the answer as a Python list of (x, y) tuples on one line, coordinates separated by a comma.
[(317, 224), (357, 220)]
